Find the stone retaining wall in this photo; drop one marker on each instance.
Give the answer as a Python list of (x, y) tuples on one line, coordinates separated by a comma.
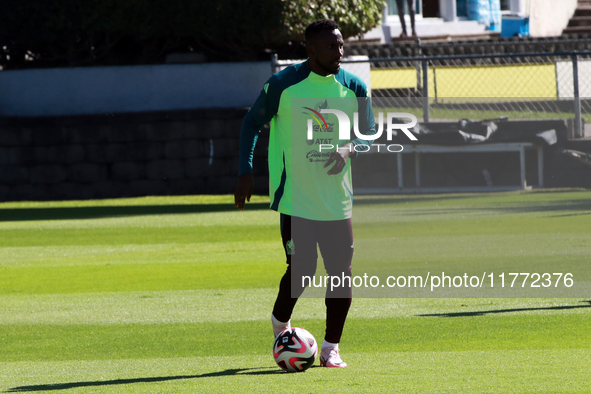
[(124, 155), (196, 152)]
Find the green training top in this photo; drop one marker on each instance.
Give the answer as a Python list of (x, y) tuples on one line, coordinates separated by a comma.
[(298, 182)]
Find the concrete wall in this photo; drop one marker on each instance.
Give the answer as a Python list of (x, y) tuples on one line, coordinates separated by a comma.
[(196, 152), (125, 155), (548, 17), (109, 90)]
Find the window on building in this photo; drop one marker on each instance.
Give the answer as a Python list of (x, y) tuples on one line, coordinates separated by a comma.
[(462, 8)]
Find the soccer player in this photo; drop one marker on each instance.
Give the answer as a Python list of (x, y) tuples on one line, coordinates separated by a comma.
[(310, 187)]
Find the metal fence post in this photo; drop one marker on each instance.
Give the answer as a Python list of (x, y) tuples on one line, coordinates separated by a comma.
[(418, 52), (274, 63), (577, 98), (435, 84), (426, 90)]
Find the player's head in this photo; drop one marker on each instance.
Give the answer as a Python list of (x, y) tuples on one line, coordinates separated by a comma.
[(324, 43)]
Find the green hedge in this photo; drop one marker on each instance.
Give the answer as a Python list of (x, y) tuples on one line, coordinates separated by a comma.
[(41, 33)]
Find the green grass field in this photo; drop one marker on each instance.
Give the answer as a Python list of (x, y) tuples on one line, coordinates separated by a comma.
[(173, 295)]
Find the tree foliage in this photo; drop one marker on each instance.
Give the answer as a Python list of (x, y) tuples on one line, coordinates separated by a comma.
[(42, 33)]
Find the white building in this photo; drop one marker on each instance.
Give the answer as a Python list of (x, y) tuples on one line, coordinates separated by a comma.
[(448, 18)]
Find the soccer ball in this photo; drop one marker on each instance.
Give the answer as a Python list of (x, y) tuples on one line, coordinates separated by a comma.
[(295, 350)]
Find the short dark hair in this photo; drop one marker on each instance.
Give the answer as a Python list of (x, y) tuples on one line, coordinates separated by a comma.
[(319, 26)]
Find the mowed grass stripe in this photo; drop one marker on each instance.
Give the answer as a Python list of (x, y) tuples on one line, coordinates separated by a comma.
[(53, 270), (136, 236), (500, 371), (210, 252), (539, 244), (244, 305), (367, 209), (29, 219), (245, 274), (511, 202), (376, 223), (128, 341), (534, 245), (136, 277)]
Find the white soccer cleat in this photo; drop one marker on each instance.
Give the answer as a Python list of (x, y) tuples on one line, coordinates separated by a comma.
[(330, 357), (279, 327)]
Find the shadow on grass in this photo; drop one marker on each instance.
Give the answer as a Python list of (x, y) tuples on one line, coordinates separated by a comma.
[(70, 213), (482, 313), (578, 207), (442, 197), (413, 198), (71, 385), (570, 214), (98, 212)]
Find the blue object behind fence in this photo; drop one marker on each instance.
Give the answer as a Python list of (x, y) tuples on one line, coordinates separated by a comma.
[(515, 25)]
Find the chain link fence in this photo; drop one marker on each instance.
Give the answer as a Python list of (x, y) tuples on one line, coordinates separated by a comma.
[(534, 85)]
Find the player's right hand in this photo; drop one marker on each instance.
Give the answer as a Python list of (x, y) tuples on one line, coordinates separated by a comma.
[(243, 190)]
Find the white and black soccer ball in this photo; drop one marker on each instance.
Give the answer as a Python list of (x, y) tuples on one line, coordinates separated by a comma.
[(295, 350)]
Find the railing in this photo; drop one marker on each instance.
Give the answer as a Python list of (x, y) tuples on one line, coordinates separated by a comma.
[(533, 85)]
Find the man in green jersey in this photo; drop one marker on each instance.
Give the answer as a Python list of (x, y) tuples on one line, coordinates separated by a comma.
[(310, 186)]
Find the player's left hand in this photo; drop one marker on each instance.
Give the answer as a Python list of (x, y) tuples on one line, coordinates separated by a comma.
[(339, 157), (243, 190)]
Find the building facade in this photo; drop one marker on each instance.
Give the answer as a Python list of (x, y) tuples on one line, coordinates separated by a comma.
[(441, 18)]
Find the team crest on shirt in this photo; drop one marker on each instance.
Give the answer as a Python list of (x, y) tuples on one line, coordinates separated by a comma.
[(320, 124)]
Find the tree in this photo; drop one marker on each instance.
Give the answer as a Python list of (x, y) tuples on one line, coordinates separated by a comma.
[(41, 33)]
